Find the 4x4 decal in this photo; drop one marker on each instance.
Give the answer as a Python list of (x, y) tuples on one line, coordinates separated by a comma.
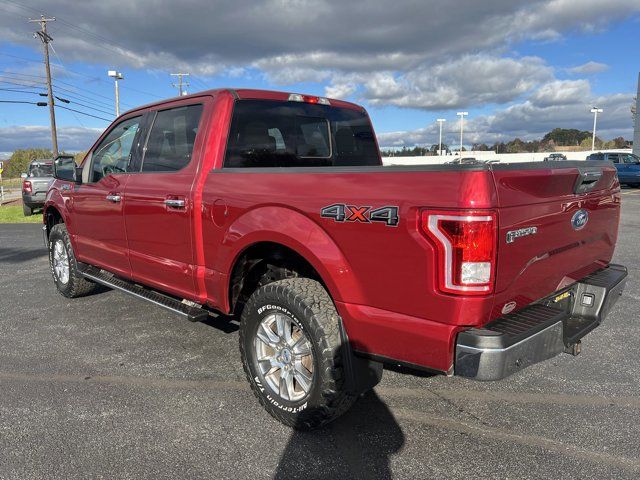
[(341, 212)]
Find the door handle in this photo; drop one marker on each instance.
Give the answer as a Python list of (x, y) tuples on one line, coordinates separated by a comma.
[(174, 203), (114, 198)]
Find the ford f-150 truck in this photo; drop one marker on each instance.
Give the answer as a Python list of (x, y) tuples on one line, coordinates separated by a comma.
[(275, 208)]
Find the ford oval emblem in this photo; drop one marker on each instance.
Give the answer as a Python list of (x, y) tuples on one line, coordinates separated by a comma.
[(579, 219)]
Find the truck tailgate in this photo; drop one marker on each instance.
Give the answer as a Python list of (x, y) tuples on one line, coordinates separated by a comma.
[(557, 223)]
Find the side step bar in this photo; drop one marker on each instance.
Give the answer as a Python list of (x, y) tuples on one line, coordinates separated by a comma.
[(193, 314)]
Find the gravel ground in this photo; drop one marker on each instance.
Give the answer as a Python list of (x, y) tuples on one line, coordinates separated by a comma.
[(111, 387)]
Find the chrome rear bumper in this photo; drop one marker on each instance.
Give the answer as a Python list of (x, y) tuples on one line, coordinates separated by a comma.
[(541, 330)]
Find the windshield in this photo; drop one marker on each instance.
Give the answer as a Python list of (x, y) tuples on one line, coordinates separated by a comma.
[(41, 170), (268, 133)]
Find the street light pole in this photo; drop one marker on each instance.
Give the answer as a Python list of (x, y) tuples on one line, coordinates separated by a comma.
[(440, 121), (116, 76), (461, 115), (595, 111)]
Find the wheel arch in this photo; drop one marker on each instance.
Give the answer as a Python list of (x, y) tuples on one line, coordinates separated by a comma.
[(280, 233), (52, 216)]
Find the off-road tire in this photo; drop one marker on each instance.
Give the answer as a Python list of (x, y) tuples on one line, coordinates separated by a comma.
[(77, 286), (313, 311), (28, 211)]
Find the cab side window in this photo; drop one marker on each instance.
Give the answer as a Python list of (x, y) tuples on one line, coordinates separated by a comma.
[(113, 155), (614, 157), (171, 139)]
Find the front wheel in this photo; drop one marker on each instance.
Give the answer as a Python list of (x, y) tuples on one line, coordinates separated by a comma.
[(64, 267), (292, 353)]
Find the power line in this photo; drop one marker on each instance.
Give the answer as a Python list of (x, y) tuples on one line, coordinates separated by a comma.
[(206, 87), (40, 80), (75, 102), (101, 45), (90, 77), (17, 90), (40, 104), (23, 7), (83, 113)]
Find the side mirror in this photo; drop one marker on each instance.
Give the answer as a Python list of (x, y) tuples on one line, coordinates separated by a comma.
[(23, 176), (64, 168)]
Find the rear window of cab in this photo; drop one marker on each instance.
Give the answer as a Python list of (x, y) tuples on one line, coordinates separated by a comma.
[(267, 133)]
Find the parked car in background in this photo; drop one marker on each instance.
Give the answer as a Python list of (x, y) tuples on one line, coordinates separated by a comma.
[(627, 165), (35, 184), (555, 157), (465, 161)]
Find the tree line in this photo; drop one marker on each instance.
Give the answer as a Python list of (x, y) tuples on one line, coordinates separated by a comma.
[(558, 137), (19, 161)]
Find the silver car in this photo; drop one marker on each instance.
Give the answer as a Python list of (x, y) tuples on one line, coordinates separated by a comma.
[(35, 184)]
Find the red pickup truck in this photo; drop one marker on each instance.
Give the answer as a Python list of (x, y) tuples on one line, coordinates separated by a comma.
[(275, 208)]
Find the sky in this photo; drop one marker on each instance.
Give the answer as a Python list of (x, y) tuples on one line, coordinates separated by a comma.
[(519, 67)]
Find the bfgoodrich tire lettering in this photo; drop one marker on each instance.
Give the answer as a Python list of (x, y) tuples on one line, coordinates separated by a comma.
[(72, 284), (309, 306)]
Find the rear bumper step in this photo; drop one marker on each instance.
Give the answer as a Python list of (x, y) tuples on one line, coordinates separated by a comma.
[(541, 330), (193, 314)]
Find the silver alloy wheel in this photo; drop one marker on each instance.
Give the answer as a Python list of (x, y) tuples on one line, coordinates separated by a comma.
[(61, 262), (284, 357)]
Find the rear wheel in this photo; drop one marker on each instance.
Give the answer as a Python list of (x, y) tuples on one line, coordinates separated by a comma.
[(27, 210), (64, 267), (292, 353)]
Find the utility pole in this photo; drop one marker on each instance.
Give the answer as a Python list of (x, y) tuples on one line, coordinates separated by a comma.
[(636, 125), (440, 121), (180, 85), (116, 76), (461, 115), (595, 111), (46, 38)]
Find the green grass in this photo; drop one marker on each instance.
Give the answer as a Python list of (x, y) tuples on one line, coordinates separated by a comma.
[(13, 214)]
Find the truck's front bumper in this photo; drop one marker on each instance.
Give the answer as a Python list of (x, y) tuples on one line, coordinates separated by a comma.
[(541, 330)]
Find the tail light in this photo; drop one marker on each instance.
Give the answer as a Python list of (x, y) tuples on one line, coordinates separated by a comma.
[(466, 245), (26, 186)]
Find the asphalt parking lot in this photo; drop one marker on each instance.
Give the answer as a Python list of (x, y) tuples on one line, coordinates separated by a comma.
[(111, 387)]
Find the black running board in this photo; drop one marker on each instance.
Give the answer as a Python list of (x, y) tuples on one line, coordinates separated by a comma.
[(193, 314)]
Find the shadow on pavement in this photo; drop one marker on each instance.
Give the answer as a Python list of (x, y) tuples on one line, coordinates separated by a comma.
[(357, 445), (20, 255), (224, 323)]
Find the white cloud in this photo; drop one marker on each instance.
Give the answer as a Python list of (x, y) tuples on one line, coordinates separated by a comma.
[(340, 90), (528, 120), (206, 36), (589, 68), (470, 80), (561, 92), (70, 139)]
